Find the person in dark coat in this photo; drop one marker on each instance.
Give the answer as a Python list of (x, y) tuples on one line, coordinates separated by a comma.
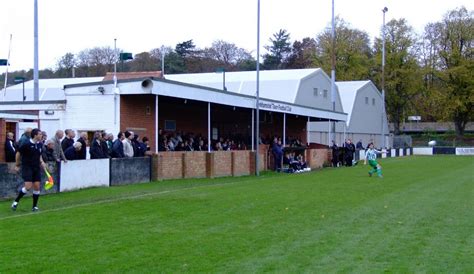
[(335, 154), (48, 152), (73, 152), (68, 140), (349, 150), (10, 148), (117, 147), (83, 140), (278, 155), (96, 150), (104, 146)]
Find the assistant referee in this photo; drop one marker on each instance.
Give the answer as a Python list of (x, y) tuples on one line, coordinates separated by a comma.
[(31, 163)]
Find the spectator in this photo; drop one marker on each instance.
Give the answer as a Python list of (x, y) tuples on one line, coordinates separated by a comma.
[(335, 154), (110, 143), (45, 137), (68, 141), (359, 145), (83, 140), (127, 144), (48, 152), (349, 150), (277, 154), (73, 152), (218, 146), (96, 151), (58, 151), (10, 148), (145, 144), (200, 146), (103, 144), (117, 147), (301, 162), (135, 145), (187, 146), (25, 137)]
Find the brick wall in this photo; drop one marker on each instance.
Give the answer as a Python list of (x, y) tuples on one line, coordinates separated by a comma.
[(176, 165), (195, 164), (3, 137), (315, 158), (240, 163), (137, 113), (170, 165), (222, 163)]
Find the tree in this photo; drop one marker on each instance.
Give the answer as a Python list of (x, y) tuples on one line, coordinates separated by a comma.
[(65, 65), (227, 53), (303, 54), (278, 51), (402, 72), (454, 37), (185, 48), (352, 51), (96, 61), (145, 61)]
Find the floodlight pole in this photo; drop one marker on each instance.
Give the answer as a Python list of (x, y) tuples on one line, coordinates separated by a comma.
[(36, 61), (333, 71), (6, 70), (257, 130), (163, 61), (115, 62), (385, 9)]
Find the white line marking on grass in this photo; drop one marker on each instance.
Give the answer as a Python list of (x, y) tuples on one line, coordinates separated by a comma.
[(127, 198)]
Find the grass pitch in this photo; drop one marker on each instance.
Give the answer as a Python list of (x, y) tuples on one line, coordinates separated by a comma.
[(418, 218)]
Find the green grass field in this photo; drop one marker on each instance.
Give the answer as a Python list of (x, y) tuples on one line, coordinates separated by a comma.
[(418, 218)]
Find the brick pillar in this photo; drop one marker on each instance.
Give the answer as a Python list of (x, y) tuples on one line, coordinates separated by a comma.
[(210, 173), (3, 137), (154, 167)]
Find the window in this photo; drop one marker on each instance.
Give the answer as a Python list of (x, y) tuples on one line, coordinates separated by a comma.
[(325, 93), (170, 125), (373, 101), (315, 92), (366, 100)]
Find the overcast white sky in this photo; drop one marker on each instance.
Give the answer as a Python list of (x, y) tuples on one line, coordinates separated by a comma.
[(141, 25)]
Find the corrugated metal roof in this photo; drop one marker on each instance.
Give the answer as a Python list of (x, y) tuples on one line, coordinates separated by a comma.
[(348, 91), (49, 89), (281, 85)]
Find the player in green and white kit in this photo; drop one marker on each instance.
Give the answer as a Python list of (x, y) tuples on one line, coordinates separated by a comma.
[(371, 156)]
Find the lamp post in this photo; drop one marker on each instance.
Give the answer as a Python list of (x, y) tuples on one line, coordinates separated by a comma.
[(162, 61), (222, 70), (21, 80), (257, 101), (385, 9), (36, 58), (333, 72)]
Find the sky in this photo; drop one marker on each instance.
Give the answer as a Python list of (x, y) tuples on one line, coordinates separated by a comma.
[(142, 25)]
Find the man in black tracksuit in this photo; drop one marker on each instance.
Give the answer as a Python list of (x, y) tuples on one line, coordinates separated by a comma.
[(31, 164)]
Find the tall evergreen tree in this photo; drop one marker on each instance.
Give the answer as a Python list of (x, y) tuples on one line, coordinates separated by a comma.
[(278, 51)]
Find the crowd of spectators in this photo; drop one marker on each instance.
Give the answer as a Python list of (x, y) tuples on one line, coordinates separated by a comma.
[(180, 141), (290, 156), (344, 155), (63, 146)]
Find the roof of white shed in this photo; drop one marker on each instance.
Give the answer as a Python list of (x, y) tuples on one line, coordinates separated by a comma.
[(280, 85), (49, 89), (348, 92)]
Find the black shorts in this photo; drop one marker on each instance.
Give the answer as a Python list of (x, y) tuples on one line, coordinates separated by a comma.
[(31, 174)]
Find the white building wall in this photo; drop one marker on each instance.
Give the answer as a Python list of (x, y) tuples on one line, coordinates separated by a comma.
[(365, 122), (91, 113), (306, 93)]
